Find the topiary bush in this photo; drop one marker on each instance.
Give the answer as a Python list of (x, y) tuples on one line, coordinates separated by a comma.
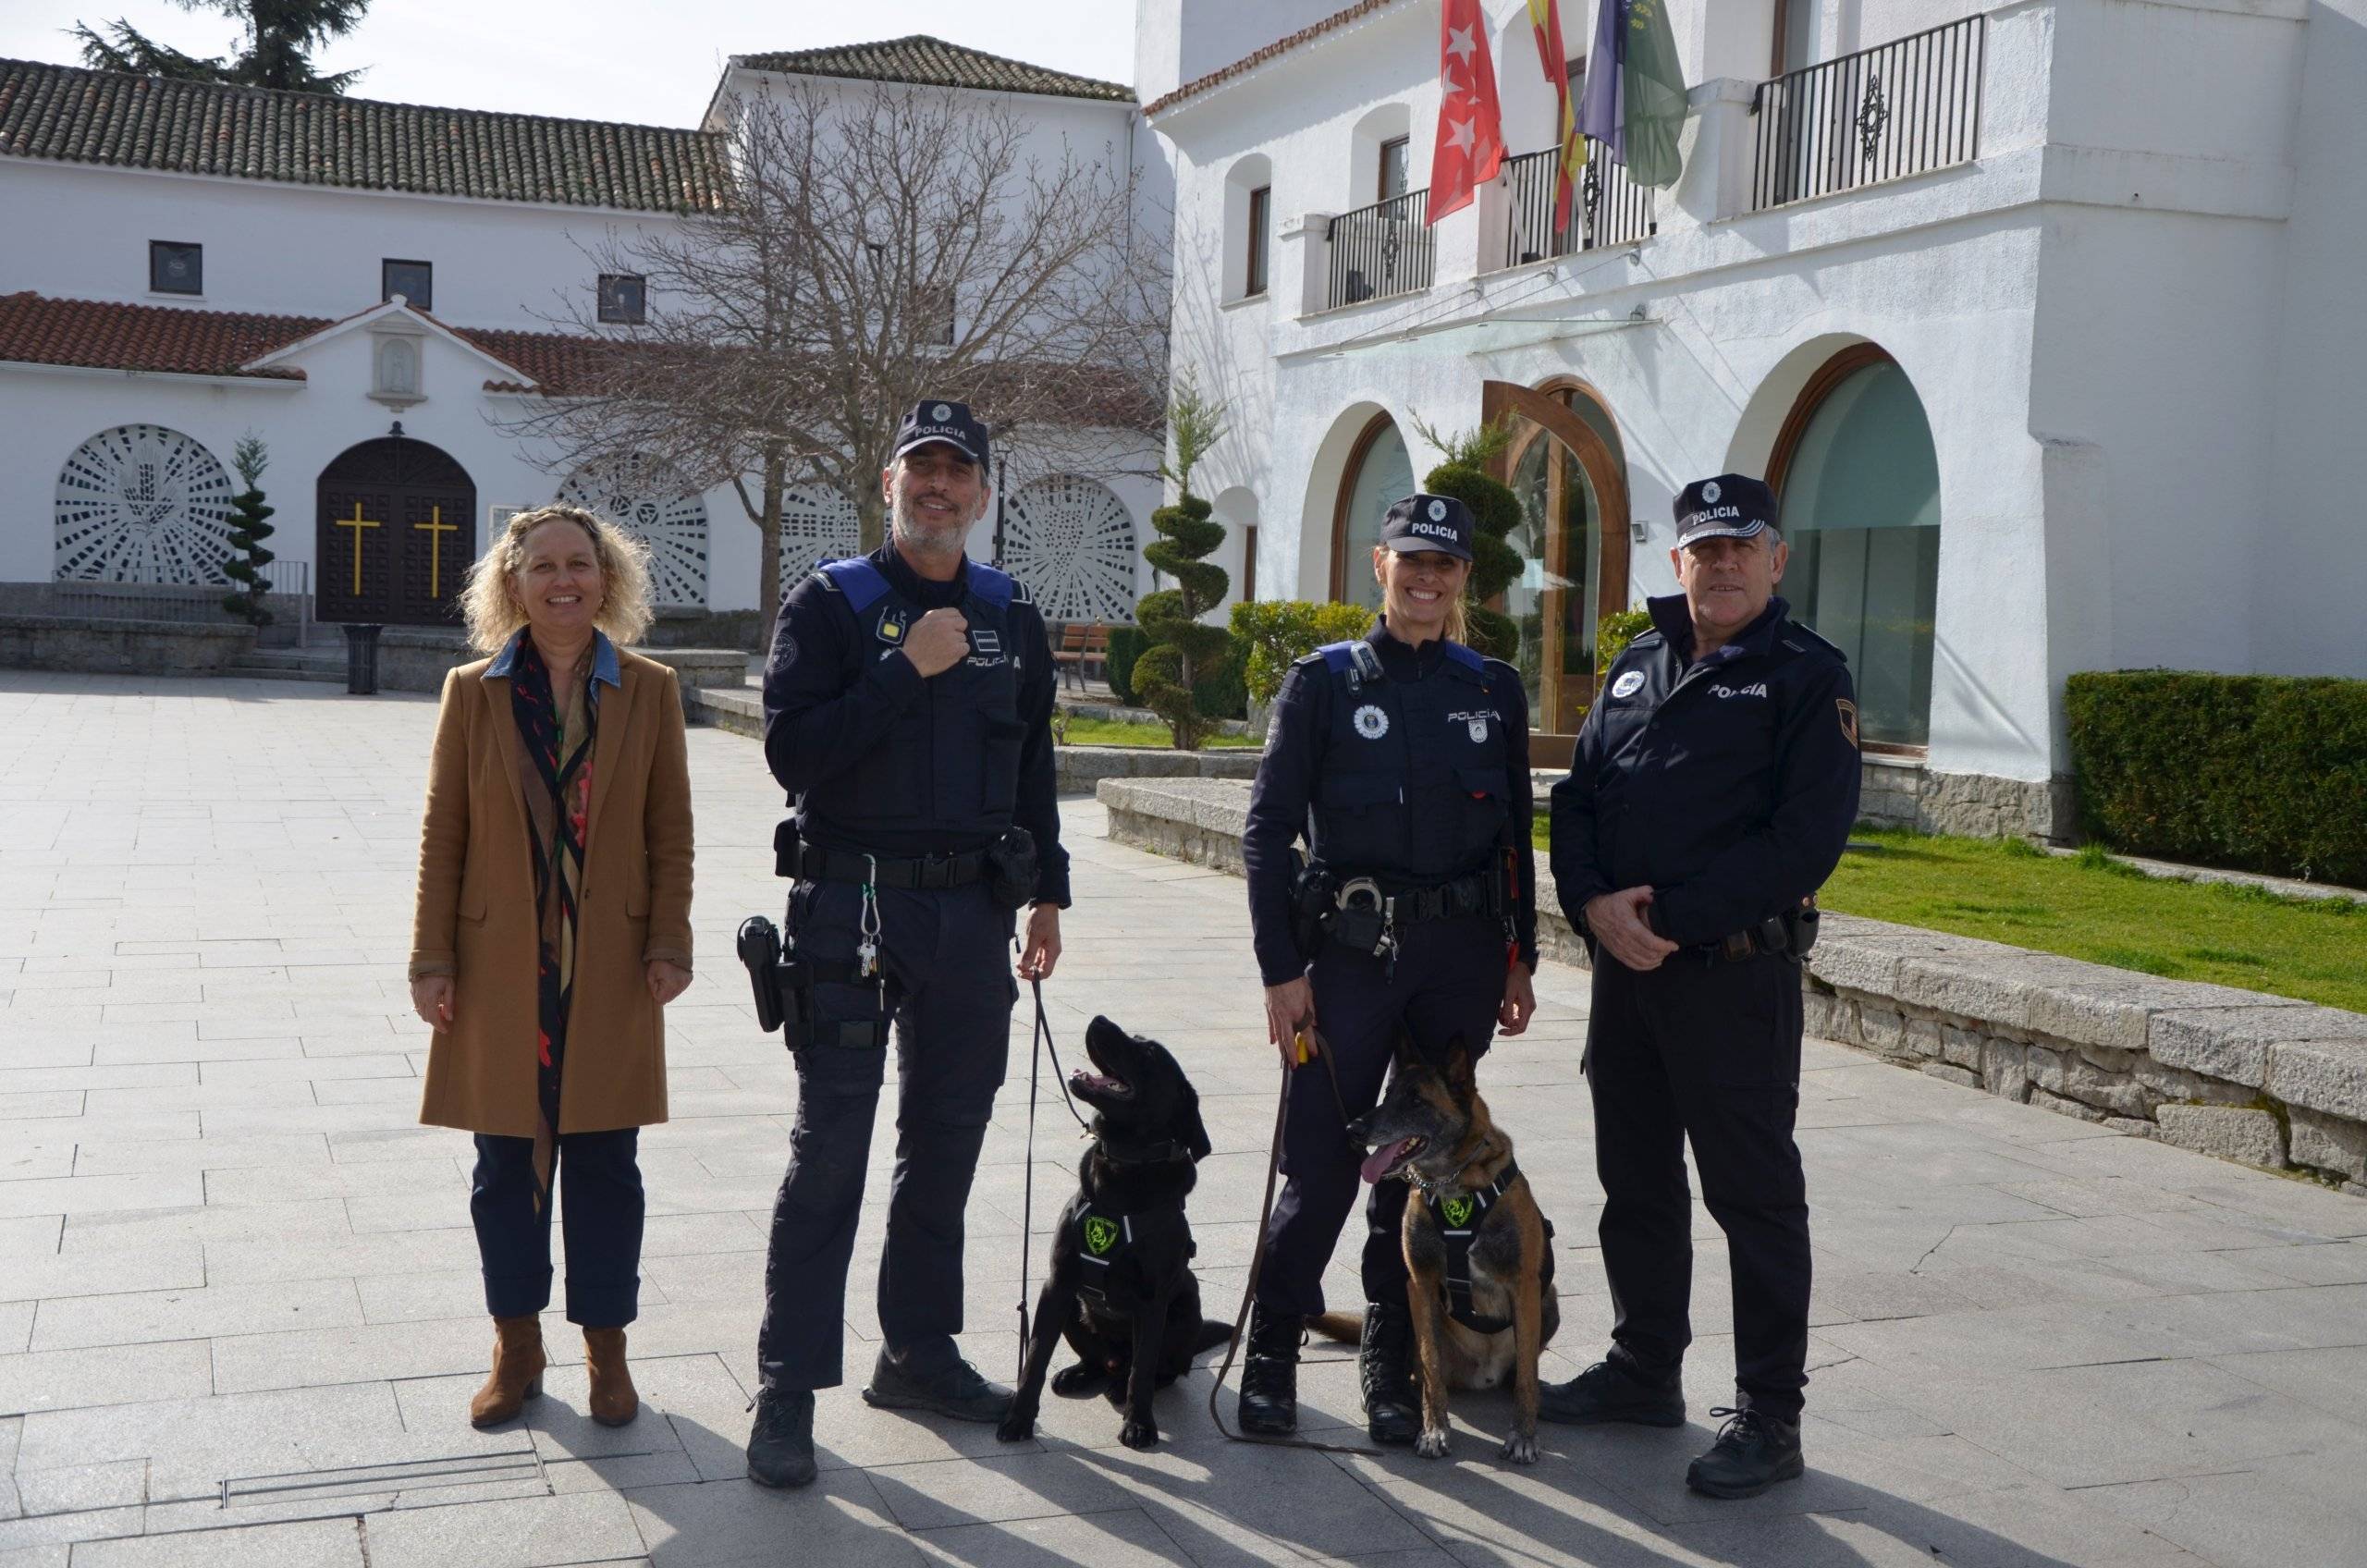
[(1126, 645), (1182, 649), (1275, 633), (248, 532), (2257, 772), (1495, 563)]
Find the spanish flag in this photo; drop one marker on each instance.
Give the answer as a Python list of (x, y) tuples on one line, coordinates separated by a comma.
[(1545, 20)]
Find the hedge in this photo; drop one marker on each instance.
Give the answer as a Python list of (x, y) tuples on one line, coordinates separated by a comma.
[(2254, 772), (1219, 694), (1276, 633)]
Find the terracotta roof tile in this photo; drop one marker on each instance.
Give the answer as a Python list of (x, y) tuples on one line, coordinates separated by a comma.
[(932, 61), (35, 330), (70, 115), (1251, 61)]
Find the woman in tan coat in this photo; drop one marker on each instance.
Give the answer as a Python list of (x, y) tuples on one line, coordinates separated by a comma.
[(553, 925)]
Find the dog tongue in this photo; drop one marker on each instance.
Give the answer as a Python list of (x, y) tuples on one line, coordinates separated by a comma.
[(1377, 1163)]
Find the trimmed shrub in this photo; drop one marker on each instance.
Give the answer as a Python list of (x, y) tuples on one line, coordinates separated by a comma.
[(1495, 561), (2255, 772), (1615, 631), (1274, 633), (1126, 645), (1219, 693)]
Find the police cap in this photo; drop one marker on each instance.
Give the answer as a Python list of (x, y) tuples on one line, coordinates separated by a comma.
[(1428, 522), (1732, 506), (941, 419)]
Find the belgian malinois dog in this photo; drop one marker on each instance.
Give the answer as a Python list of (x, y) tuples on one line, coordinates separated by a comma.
[(1479, 1254)]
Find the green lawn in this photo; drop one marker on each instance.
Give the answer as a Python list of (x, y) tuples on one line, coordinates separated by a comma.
[(2088, 907), (1121, 732)]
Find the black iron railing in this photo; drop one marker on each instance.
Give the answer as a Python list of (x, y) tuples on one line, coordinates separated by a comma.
[(1608, 209), (1381, 249), (1900, 108)]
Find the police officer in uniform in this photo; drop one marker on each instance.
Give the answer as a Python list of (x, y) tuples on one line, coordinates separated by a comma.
[(907, 709), (1713, 789), (1403, 758)]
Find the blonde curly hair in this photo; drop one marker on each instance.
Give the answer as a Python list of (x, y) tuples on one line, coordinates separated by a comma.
[(490, 606)]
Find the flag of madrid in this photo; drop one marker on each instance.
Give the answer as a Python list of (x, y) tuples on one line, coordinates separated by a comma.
[(1471, 135)]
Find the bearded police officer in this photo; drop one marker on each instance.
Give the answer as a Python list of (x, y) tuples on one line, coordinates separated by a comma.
[(1404, 759), (1713, 787), (907, 708)]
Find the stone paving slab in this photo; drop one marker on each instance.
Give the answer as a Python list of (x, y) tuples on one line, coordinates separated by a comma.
[(232, 1266)]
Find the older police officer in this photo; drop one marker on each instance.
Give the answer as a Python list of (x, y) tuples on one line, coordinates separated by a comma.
[(1404, 759), (907, 708), (1713, 789)]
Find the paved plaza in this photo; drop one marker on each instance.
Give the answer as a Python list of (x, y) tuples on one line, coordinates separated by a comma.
[(240, 1316)]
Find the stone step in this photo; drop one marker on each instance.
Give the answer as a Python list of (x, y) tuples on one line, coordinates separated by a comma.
[(247, 669)]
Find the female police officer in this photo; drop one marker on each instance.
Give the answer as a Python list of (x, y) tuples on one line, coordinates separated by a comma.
[(1404, 758)]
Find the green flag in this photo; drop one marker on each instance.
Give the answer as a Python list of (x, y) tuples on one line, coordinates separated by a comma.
[(1652, 82)]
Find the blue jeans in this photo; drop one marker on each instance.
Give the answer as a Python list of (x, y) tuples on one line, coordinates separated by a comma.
[(598, 1178)]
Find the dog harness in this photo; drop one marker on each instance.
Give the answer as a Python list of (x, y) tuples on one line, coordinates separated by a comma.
[(1458, 1219), (1105, 1237)]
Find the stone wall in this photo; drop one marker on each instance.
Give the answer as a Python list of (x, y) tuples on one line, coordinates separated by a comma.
[(2260, 1079), (1902, 793), (416, 658), (105, 645)]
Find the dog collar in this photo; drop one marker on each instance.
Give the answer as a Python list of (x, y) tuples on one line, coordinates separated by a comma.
[(1149, 1154)]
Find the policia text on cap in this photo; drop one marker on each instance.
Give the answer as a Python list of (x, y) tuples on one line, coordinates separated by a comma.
[(907, 712), (1713, 789)]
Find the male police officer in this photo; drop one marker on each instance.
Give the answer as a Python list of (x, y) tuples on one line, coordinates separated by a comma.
[(907, 708), (1714, 788)]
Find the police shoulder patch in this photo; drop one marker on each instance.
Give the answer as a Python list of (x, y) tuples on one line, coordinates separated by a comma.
[(1848, 718)]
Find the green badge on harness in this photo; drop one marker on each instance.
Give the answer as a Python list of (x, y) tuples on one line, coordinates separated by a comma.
[(1457, 1211), (1100, 1234)]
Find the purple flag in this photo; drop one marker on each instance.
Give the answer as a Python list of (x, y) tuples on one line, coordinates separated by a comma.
[(1602, 109)]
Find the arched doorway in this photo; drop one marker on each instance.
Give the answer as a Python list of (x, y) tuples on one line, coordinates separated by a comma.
[(1568, 467), (140, 503), (1379, 472), (397, 531), (1858, 479)]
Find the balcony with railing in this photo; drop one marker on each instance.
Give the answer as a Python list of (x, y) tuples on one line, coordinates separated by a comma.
[(1378, 250), (1900, 108), (1610, 208)]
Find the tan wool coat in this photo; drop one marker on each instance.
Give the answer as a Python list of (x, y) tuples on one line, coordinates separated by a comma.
[(475, 916)]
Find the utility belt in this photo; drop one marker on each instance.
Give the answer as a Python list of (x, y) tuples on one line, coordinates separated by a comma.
[(1008, 865), (1366, 913), (1791, 934)]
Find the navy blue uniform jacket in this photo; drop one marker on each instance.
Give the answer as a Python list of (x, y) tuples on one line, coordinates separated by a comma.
[(1727, 787)]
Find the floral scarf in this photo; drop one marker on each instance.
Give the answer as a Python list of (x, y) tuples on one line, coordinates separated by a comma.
[(557, 786)]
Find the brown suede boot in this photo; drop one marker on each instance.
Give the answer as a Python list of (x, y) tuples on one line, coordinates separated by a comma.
[(614, 1403), (516, 1374)]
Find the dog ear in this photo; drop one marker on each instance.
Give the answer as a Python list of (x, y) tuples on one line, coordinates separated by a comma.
[(1408, 1054), (1459, 1077), (1195, 1132)]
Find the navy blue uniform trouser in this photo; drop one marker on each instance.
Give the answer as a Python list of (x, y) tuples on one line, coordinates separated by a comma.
[(1448, 981), (597, 1180), (947, 955), (1709, 1051)]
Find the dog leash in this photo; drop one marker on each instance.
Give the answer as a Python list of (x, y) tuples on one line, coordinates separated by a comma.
[(1258, 1258), (1039, 1041)]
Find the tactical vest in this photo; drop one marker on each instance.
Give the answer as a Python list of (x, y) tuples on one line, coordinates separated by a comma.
[(950, 762), (1458, 1219), (1414, 780)]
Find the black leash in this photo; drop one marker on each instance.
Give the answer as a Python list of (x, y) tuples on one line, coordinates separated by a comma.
[(1257, 1260), (1038, 1042)]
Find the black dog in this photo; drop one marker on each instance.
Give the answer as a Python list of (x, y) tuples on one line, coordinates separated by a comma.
[(1122, 1287)]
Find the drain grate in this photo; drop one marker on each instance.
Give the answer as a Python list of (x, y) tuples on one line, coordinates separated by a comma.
[(507, 1466)]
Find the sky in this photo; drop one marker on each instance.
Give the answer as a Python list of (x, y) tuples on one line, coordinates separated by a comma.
[(651, 62)]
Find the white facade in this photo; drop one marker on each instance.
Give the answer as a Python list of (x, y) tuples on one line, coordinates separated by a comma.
[(2125, 316), (290, 251)]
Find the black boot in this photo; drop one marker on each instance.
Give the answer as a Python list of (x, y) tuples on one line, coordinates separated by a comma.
[(1391, 1411), (1754, 1451), (1602, 1392), (1269, 1373), (780, 1448)]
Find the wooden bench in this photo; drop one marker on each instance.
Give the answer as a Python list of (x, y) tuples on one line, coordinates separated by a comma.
[(1083, 646)]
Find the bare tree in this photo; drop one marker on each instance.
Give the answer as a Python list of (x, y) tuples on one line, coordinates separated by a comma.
[(879, 244)]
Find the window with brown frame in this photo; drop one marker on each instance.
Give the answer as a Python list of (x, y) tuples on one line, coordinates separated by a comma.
[(1396, 167), (1254, 276)]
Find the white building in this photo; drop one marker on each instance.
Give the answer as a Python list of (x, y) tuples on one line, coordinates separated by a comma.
[(2042, 318), (370, 288)]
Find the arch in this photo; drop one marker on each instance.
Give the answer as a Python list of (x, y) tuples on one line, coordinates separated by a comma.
[(1245, 177), (1236, 508), (1525, 98), (140, 503), (1378, 469), (1382, 122), (817, 524), (647, 498), (1568, 453), (1311, 569), (1073, 542), (394, 531), (1857, 480)]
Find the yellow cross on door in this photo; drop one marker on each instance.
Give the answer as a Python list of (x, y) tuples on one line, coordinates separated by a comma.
[(356, 522), (435, 528)]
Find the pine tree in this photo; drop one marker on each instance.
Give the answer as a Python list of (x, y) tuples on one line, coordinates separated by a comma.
[(247, 530), (1183, 651), (1495, 563), (277, 52)]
